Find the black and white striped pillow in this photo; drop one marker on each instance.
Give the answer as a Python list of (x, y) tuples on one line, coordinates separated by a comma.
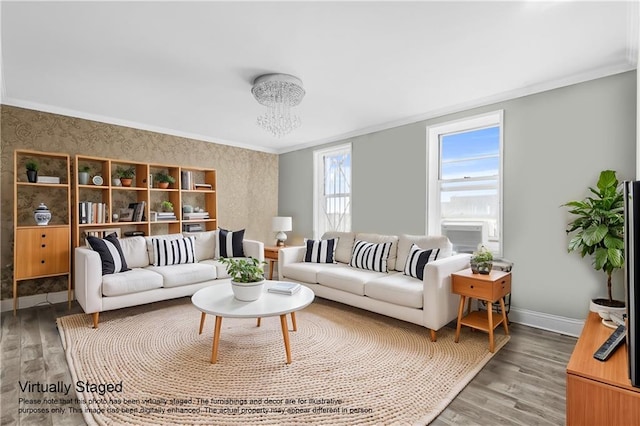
[(230, 243), (173, 252), (370, 256), (110, 253), (322, 251), (418, 259)]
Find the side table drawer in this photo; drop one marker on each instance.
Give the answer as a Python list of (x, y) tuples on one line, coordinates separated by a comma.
[(470, 287), (502, 287)]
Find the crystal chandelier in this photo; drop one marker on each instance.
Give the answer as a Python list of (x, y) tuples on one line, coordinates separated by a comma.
[(278, 92)]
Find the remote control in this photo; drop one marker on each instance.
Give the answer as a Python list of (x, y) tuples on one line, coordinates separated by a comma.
[(611, 344)]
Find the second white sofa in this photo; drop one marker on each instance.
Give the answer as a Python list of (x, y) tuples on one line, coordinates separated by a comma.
[(427, 302)]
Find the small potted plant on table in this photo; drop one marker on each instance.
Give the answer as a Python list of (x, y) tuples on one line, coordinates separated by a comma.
[(481, 261), (126, 175), (247, 277), (164, 180), (32, 171)]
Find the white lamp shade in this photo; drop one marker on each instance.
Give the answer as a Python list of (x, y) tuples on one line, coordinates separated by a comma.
[(281, 223)]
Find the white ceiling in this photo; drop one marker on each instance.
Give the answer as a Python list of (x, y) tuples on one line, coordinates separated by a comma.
[(187, 68)]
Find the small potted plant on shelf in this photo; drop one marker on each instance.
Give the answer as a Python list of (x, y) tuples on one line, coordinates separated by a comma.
[(599, 232), (126, 175), (481, 261), (83, 175), (164, 180), (32, 171), (247, 277), (166, 206)]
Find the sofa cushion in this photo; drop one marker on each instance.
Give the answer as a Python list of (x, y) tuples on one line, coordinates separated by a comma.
[(173, 252), (344, 246), (163, 237), (322, 251), (132, 281), (111, 256), (418, 259), (424, 242), (378, 238), (205, 244), (396, 288), (189, 273), (307, 272), (134, 250), (230, 243), (347, 278), (370, 256)]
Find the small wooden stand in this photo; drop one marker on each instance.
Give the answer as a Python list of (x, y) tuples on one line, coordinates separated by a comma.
[(490, 288), (271, 255)]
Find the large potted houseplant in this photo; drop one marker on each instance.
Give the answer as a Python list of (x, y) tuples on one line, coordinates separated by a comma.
[(247, 277), (598, 231)]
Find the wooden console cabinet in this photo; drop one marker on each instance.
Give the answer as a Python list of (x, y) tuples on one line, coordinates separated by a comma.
[(600, 393)]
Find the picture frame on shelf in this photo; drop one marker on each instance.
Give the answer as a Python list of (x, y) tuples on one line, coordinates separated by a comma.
[(126, 215)]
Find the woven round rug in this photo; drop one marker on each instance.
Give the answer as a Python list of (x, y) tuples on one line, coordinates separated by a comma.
[(148, 365)]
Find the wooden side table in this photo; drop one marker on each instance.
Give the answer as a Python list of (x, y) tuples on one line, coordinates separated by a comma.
[(491, 288), (271, 255)]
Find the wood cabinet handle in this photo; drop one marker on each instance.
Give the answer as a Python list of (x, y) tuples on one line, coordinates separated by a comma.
[(42, 261), (44, 235), (471, 286), (504, 281), (44, 245)]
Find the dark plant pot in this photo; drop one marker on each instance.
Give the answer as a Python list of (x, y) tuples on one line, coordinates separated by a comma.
[(32, 176)]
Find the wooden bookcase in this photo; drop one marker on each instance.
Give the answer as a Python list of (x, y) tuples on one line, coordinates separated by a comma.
[(600, 393), (144, 189), (41, 251)]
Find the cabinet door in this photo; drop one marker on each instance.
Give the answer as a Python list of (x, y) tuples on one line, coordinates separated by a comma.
[(41, 251)]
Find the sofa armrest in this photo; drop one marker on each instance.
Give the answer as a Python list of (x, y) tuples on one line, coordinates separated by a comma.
[(440, 305), (253, 249), (289, 255), (87, 279)]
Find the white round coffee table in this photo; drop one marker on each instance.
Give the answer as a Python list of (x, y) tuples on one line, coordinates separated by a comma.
[(218, 300)]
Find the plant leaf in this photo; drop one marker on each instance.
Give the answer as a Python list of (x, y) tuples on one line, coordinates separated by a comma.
[(594, 234), (601, 258), (613, 242), (607, 180)]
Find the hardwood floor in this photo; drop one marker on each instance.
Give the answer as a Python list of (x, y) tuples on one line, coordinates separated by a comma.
[(524, 383)]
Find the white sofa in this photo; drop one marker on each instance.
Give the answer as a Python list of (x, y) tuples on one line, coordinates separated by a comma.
[(146, 283), (428, 303)]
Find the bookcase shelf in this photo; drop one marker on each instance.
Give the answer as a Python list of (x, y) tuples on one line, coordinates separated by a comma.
[(41, 251), (144, 190)]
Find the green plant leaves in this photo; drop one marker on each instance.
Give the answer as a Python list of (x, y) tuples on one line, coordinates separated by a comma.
[(594, 234), (607, 180)]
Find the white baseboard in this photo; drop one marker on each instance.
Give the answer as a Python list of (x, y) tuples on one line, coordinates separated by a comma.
[(562, 325), (36, 299)]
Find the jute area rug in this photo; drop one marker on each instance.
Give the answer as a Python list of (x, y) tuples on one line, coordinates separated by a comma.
[(349, 367)]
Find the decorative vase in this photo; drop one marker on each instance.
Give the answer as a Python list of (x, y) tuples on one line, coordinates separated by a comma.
[(484, 268), (42, 215), (115, 182), (83, 178), (32, 176), (247, 292), (126, 182)]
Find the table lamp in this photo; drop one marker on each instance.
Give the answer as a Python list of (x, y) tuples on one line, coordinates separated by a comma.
[(281, 224)]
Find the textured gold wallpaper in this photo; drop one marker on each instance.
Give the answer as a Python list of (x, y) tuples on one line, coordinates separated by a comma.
[(247, 180)]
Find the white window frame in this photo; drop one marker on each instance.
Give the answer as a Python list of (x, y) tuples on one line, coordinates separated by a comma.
[(491, 119), (318, 182)]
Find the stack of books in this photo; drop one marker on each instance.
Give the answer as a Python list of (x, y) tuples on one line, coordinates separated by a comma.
[(203, 186), (284, 288), (166, 216), (195, 216)]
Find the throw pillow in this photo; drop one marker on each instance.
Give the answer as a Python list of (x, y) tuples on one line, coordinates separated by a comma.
[(418, 259), (370, 256), (320, 251), (230, 243), (173, 252), (110, 253)]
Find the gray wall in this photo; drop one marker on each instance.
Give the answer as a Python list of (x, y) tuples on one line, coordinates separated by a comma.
[(555, 145)]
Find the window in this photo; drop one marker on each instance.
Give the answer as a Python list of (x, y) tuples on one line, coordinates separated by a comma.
[(465, 182), (332, 190)]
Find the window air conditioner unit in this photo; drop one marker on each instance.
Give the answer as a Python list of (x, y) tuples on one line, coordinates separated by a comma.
[(465, 236)]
